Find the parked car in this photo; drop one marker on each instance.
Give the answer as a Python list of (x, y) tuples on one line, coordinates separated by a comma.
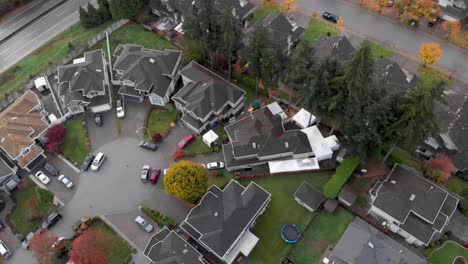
[(389, 3), (51, 220), (57, 242), (65, 181), (330, 17), (144, 224), (87, 162), (155, 172), (215, 165), (148, 145), (50, 169), (27, 240), (97, 162), (120, 109), (42, 177), (98, 119), (4, 251), (145, 173), (186, 141)]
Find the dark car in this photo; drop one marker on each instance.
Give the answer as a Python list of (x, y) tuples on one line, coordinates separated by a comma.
[(87, 162), (50, 169), (186, 141), (98, 119), (51, 220), (330, 17), (148, 145), (155, 172)]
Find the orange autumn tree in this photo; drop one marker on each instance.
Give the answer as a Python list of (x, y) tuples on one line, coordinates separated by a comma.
[(289, 4), (382, 3), (428, 9), (430, 53), (452, 27), (340, 24)]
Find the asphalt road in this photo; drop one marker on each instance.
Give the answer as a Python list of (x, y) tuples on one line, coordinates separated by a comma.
[(389, 33), (39, 32), (37, 8)]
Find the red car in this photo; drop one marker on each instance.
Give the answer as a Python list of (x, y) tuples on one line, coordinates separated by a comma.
[(186, 141), (155, 175)]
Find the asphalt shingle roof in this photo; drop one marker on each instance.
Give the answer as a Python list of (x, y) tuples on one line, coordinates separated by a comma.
[(310, 196), (389, 77), (279, 29), (337, 47)]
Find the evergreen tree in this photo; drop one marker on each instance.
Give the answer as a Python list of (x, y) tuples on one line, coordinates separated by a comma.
[(93, 17), (84, 18), (269, 66), (230, 37), (124, 8), (104, 11), (254, 52)]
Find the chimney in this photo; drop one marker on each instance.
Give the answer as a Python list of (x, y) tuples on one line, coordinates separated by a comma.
[(286, 144), (253, 145), (370, 244), (151, 60), (412, 197), (393, 182), (185, 251), (216, 214)]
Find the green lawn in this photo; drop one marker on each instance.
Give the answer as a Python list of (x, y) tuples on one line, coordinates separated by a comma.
[(121, 249), (28, 207), (325, 229), (447, 253), (430, 75), (456, 185), (38, 61), (282, 209), (76, 144), (263, 11), (247, 83), (137, 35), (220, 181), (159, 120), (379, 51), (318, 28), (197, 147)]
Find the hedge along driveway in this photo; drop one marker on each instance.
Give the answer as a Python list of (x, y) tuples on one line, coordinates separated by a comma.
[(343, 172)]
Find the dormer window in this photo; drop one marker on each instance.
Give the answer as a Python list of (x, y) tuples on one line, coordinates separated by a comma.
[(25, 151)]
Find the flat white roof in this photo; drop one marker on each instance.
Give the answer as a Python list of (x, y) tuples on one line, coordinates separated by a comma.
[(210, 137), (245, 245), (322, 147), (275, 109), (293, 165), (304, 118), (41, 81)]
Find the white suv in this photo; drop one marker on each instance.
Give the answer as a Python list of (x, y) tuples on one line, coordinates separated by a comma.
[(42, 177), (97, 162), (120, 109)]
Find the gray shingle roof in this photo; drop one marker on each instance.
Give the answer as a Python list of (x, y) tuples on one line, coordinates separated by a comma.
[(222, 216), (389, 77), (166, 247), (458, 132), (310, 196), (206, 92), (5, 170), (279, 28), (405, 193), (337, 47), (362, 243), (185, 7), (150, 70)]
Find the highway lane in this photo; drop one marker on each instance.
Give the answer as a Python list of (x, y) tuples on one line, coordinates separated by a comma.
[(39, 32), (15, 23)]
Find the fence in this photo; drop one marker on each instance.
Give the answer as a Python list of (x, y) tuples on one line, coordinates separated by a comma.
[(65, 60)]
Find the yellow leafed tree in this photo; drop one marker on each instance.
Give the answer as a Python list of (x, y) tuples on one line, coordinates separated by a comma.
[(430, 53), (340, 24), (289, 4), (186, 180), (452, 27)]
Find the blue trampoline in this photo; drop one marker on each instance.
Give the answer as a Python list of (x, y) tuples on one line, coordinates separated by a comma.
[(290, 233)]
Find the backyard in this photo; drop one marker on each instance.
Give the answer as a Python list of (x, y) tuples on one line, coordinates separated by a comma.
[(199, 147), (76, 144), (324, 230), (31, 208), (38, 61), (159, 120), (121, 251), (447, 253), (282, 209)]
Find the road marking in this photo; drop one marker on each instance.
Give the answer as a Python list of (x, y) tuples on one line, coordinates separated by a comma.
[(64, 11), (4, 51), (14, 24)]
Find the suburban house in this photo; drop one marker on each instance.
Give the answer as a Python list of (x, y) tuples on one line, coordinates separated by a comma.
[(454, 10), (337, 47), (221, 222), (282, 30), (22, 127), (362, 243), (84, 85), (206, 98), (309, 197), (267, 135), (178, 10), (8, 178), (144, 73), (412, 206), (391, 78), (166, 246)]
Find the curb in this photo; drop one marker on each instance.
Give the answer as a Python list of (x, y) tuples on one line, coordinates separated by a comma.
[(68, 163), (103, 217)]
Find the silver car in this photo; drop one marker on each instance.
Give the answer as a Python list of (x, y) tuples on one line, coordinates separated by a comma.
[(144, 224)]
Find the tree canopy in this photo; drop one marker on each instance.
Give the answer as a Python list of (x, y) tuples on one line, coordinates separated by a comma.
[(430, 53), (92, 246), (124, 8), (186, 180)]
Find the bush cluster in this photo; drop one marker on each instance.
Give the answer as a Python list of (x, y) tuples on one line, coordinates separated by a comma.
[(159, 218), (343, 172)]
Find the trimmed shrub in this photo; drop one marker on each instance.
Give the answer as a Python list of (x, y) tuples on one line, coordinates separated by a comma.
[(427, 252), (159, 218), (343, 172)]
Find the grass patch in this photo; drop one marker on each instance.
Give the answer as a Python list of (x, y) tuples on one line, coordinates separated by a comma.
[(429, 75), (361, 186), (220, 180), (263, 11), (447, 253), (29, 211), (76, 143), (247, 83), (456, 185), (339, 179), (197, 147), (400, 156), (282, 209), (19, 74), (318, 28), (379, 51), (160, 120), (121, 250), (325, 229), (137, 35)]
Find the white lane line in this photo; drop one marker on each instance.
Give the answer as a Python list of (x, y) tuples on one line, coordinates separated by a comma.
[(14, 24), (64, 11), (4, 51)]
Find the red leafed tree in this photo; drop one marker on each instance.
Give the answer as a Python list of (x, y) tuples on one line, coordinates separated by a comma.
[(91, 247), (41, 245), (442, 162), (237, 68), (55, 135), (178, 153)]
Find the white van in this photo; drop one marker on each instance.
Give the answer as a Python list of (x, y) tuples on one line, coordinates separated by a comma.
[(4, 251), (97, 162)]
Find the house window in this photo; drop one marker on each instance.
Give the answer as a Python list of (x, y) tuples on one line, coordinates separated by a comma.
[(156, 100), (24, 152), (75, 108)]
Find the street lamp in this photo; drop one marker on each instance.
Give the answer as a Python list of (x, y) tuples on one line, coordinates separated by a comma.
[(146, 129)]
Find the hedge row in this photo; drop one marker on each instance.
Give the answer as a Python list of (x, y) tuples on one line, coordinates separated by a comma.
[(343, 172), (159, 218)]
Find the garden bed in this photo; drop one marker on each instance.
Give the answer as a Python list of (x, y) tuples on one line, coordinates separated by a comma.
[(159, 218), (447, 253)]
